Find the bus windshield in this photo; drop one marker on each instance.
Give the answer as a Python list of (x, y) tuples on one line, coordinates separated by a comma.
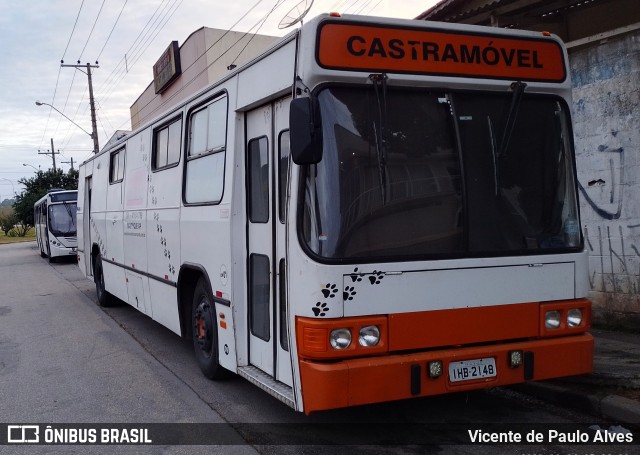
[(419, 173), (62, 219)]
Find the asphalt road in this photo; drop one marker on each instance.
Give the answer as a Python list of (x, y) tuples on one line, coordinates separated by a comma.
[(64, 359)]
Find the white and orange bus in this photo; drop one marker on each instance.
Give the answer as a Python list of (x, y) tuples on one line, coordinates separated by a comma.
[(372, 210)]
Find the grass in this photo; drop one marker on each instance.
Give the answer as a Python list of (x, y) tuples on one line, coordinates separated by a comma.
[(31, 235)]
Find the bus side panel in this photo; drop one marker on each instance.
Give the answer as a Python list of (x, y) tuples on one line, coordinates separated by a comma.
[(163, 249), (39, 221), (115, 280), (205, 230), (163, 300), (134, 219), (84, 234), (163, 236), (97, 221), (265, 78)]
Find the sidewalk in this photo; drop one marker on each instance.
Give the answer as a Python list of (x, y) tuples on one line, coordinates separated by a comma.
[(612, 391)]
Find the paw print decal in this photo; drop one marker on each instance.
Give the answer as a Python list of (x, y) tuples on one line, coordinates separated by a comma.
[(164, 244), (376, 277), (348, 293), (320, 309), (355, 276), (329, 290)]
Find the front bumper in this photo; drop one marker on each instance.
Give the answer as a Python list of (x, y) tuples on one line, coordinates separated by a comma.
[(378, 379)]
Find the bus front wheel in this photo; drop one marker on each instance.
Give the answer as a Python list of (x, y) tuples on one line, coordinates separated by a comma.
[(205, 332)]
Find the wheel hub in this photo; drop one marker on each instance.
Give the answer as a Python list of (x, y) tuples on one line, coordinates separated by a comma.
[(202, 326)]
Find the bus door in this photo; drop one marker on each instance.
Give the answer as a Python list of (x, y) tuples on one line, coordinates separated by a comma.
[(267, 157), (86, 227)]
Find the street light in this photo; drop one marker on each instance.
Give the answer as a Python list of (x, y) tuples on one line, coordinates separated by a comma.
[(31, 165), (39, 103), (12, 187)]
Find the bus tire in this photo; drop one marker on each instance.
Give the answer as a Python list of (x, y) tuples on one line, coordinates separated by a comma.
[(48, 254), (205, 332), (104, 298)]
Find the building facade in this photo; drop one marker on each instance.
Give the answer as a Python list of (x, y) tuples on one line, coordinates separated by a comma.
[(205, 56)]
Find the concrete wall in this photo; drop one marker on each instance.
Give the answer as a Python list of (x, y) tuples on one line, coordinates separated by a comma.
[(606, 97)]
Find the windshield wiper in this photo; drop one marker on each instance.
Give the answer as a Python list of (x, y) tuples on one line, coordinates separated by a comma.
[(492, 139), (518, 90), (380, 85)]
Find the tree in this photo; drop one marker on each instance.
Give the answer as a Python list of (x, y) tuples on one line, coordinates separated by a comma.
[(36, 187), (8, 219)]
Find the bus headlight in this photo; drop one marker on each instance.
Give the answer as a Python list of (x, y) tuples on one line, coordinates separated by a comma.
[(340, 338), (574, 317), (552, 319), (369, 336)]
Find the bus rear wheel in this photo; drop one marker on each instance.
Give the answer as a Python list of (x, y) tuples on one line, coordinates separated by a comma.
[(104, 298), (205, 332)]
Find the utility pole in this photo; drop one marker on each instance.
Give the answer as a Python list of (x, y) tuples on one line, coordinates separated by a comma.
[(94, 126), (70, 161), (53, 154)]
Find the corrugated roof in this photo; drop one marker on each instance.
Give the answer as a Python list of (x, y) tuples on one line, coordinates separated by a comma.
[(460, 10), (452, 9)]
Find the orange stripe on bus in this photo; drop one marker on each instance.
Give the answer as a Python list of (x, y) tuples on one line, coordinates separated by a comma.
[(462, 326)]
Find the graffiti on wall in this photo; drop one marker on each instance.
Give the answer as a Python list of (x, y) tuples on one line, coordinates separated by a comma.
[(615, 267)]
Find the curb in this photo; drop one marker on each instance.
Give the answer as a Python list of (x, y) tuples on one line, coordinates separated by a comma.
[(613, 407)]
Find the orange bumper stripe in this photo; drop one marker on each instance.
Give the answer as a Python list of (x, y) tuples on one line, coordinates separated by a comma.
[(386, 378)]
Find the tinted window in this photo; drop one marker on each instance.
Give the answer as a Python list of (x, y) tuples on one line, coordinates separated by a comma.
[(395, 181), (258, 159)]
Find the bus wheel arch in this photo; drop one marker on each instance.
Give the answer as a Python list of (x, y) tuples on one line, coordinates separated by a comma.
[(104, 298), (198, 321)]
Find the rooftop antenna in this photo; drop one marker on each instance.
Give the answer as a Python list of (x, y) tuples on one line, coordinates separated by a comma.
[(296, 14)]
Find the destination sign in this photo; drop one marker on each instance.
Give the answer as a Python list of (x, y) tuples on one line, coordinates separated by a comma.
[(349, 46)]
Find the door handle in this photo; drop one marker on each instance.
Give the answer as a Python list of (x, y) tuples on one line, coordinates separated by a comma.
[(114, 220)]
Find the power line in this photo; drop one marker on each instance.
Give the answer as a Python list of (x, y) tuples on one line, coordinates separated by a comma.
[(91, 32), (374, 7), (159, 27), (55, 90), (278, 3), (123, 60), (72, 31), (148, 43), (112, 29), (203, 55)]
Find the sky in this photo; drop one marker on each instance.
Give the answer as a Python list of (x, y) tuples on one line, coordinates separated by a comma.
[(125, 37)]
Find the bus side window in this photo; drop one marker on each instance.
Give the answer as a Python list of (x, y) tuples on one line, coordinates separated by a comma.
[(204, 173), (116, 166), (166, 145), (283, 172), (258, 179)]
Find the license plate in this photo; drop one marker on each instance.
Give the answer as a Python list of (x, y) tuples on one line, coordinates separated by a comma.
[(472, 369)]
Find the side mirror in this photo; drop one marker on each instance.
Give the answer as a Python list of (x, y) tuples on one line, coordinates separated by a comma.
[(305, 131)]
